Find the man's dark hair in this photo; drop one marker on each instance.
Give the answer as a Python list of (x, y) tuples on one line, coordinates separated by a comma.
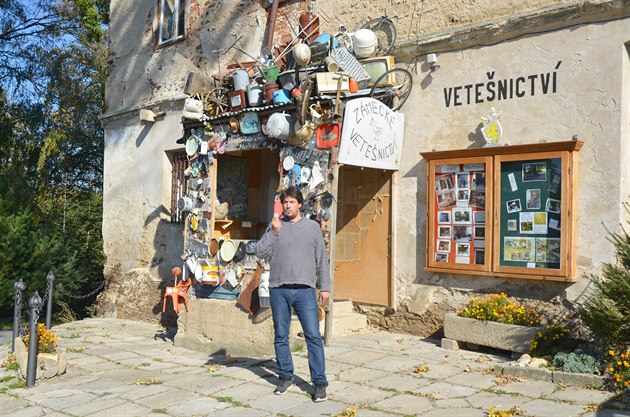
[(292, 192)]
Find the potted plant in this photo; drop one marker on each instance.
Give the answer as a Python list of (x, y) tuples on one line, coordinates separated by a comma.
[(50, 361), (494, 321)]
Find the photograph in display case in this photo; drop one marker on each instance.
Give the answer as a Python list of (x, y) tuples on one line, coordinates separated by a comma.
[(552, 205), (478, 199), (444, 232), (513, 206), (480, 232), (462, 233), (445, 199), (463, 196), (444, 217), (480, 255), (532, 199), (441, 257), (512, 225), (479, 217), (520, 249), (462, 249), (463, 180), (547, 250), (462, 215), (534, 171), (444, 246), (444, 183), (478, 181)]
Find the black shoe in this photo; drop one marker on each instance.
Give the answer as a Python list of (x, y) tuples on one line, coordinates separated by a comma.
[(283, 386), (320, 394)]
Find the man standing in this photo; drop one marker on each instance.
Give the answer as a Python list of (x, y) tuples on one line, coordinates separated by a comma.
[(299, 263)]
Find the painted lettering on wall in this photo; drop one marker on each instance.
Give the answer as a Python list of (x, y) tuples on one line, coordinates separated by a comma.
[(502, 89)]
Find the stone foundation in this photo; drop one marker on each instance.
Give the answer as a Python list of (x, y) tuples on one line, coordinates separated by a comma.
[(48, 364)]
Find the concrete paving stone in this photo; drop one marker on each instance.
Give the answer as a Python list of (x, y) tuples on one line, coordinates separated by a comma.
[(187, 370), (30, 411), (444, 390), (247, 392), (438, 371), (207, 386), (279, 403), (361, 375), (529, 388), (452, 403), (136, 392), (400, 383), (404, 404), (95, 406), (334, 368), (8, 404), (166, 399), (122, 373), (395, 363), (546, 408), (357, 394), (127, 409), (332, 351), (357, 357), (452, 412), (241, 412), (100, 367), (197, 406), (485, 400), (134, 361), (62, 402), (88, 359), (247, 374), (312, 409), (366, 412), (117, 356), (473, 379), (580, 395)]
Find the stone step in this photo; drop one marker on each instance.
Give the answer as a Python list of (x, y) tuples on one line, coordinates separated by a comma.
[(343, 307), (347, 323)]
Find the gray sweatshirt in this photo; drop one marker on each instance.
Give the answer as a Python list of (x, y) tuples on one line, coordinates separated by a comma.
[(297, 254)]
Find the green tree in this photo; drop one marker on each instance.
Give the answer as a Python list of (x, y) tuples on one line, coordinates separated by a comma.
[(607, 312), (52, 80)]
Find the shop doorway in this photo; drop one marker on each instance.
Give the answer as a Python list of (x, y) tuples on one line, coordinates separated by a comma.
[(362, 244)]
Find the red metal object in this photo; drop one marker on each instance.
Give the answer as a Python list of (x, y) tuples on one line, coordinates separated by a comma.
[(328, 135)]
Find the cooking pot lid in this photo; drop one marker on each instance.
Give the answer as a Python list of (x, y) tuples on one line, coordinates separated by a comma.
[(288, 163), (326, 200), (227, 251), (213, 247), (192, 144)]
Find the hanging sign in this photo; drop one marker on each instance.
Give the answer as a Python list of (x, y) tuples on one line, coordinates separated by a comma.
[(372, 135)]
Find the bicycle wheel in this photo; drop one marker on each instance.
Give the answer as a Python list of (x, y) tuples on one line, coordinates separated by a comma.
[(385, 32), (393, 87)]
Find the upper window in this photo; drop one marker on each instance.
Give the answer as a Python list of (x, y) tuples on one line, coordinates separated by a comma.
[(171, 21)]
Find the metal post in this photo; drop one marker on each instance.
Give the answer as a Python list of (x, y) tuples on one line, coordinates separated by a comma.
[(17, 311), (50, 284), (34, 304)]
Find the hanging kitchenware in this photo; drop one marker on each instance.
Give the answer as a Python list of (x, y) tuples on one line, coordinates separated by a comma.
[(254, 94), (365, 43), (250, 123), (281, 96), (309, 25), (185, 203), (280, 126), (227, 251), (209, 274), (327, 135), (302, 54), (287, 163), (240, 79), (192, 145)]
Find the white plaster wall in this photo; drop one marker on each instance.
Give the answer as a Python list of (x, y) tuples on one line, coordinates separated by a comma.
[(136, 195), (588, 103)]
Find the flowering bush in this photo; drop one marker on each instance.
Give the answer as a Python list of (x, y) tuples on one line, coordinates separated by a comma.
[(499, 308), (47, 340), (551, 340), (619, 370)]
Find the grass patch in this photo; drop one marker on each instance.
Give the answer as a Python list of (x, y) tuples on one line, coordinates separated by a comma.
[(145, 364), (76, 349), (500, 392), (298, 346), (17, 384), (231, 400), (7, 378), (3, 390), (388, 389), (158, 359), (159, 410), (71, 336)]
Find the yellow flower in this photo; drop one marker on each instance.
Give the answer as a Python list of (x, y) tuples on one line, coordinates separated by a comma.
[(611, 352)]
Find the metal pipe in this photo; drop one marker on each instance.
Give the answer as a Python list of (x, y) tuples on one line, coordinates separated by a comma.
[(50, 282), (17, 311), (271, 24), (34, 304)]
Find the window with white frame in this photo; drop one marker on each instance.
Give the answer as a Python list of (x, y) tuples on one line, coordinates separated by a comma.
[(171, 21)]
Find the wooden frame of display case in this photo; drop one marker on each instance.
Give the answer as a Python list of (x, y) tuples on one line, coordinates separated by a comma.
[(530, 211)]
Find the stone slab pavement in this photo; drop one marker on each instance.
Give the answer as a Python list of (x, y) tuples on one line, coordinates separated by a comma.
[(126, 368)]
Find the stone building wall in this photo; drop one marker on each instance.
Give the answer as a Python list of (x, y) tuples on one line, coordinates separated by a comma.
[(472, 39)]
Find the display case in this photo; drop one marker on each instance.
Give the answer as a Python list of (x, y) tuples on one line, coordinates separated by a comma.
[(504, 211)]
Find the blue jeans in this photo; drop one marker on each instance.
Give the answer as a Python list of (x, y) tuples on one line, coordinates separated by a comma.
[(304, 301)]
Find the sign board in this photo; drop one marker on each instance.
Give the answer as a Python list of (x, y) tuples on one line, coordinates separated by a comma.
[(372, 135)]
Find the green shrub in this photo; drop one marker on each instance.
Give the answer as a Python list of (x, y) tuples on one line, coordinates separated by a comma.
[(551, 340), (577, 363)]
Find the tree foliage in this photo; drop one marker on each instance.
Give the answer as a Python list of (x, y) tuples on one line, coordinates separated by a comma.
[(52, 81), (607, 312)]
